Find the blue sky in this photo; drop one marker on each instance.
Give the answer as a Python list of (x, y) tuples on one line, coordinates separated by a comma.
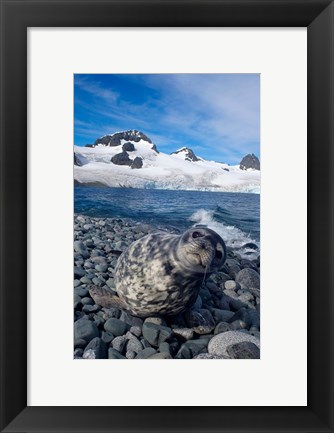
[(216, 115)]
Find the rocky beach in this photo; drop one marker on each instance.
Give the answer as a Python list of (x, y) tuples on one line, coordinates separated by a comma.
[(224, 323)]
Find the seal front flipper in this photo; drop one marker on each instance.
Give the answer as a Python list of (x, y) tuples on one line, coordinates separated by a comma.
[(105, 298)]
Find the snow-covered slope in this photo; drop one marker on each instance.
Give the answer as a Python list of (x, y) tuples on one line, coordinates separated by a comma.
[(159, 170)]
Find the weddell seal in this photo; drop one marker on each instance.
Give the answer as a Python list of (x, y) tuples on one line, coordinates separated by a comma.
[(162, 273)]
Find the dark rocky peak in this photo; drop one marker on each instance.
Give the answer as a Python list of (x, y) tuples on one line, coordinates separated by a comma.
[(121, 159), (250, 161), (188, 154), (115, 139), (128, 147)]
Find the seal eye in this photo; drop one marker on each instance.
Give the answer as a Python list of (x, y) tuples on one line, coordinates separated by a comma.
[(219, 254), (197, 235)]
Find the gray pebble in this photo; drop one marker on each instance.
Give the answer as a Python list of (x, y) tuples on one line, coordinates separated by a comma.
[(101, 268), (156, 334), (87, 301), (222, 327), (134, 344), (78, 272), (156, 320), (98, 347), (143, 354), (221, 315), (107, 337), (164, 347), (114, 354), (85, 280), (131, 320), (78, 352), (130, 354), (185, 333), (243, 350), (200, 321), (191, 348), (219, 343), (118, 343), (248, 278), (85, 330), (231, 285), (115, 326), (91, 309), (81, 291), (136, 330)]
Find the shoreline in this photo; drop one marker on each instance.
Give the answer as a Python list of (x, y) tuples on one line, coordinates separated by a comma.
[(225, 322)]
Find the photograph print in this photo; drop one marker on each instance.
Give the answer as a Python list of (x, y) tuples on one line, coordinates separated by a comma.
[(166, 216)]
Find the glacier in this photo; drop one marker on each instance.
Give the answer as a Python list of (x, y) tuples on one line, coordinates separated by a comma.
[(160, 170)]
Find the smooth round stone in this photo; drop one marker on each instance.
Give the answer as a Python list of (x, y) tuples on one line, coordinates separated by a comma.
[(114, 354), (107, 337), (221, 315), (115, 326), (99, 260), (81, 291), (219, 343), (231, 285), (248, 278), (87, 301), (118, 343), (76, 283), (80, 343), (98, 281), (222, 327), (101, 268), (243, 350), (85, 330), (98, 347), (145, 353), (85, 280), (91, 309), (78, 246), (231, 293)]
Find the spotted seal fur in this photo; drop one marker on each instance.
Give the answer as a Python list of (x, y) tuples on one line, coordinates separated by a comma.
[(162, 273)]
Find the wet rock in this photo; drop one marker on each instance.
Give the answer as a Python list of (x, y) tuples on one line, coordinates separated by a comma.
[(218, 344), (200, 321)]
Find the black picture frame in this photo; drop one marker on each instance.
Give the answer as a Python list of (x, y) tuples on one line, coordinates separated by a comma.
[(16, 17)]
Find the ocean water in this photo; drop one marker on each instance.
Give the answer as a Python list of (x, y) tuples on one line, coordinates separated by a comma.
[(235, 216)]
